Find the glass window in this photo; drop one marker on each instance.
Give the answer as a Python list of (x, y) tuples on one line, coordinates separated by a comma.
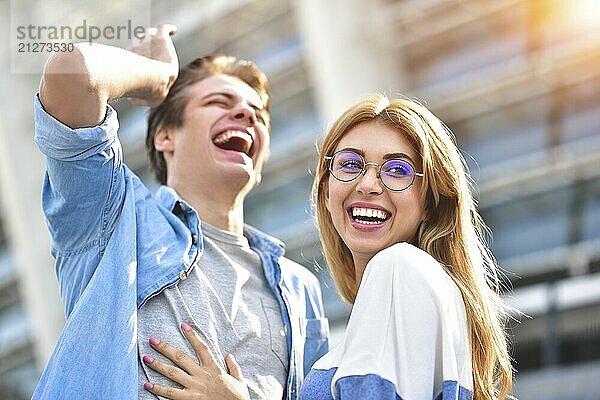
[(591, 211), (530, 224), (3, 237), (581, 117), (469, 47), (560, 217), (281, 206), (295, 122), (505, 134)]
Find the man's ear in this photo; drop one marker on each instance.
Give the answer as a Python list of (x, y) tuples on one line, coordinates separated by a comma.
[(163, 140)]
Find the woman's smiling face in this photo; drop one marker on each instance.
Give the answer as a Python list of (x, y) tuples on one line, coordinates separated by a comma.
[(388, 217)]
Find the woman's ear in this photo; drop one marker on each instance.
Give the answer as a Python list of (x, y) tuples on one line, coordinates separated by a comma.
[(326, 192), (163, 140)]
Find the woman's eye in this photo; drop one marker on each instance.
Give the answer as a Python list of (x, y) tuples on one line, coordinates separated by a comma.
[(400, 171), (397, 168), (351, 165)]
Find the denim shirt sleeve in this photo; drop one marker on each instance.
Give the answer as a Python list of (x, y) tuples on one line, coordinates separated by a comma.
[(83, 185), (83, 190)]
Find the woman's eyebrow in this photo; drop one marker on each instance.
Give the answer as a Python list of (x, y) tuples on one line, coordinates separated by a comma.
[(362, 153), (386, 157), (398, 155)]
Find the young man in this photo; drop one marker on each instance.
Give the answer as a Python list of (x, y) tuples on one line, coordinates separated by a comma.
[(132, 267)]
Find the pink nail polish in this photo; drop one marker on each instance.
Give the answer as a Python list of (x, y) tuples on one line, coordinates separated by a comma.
[(148, 359), (154, 341), (185, 327), (148, 385)]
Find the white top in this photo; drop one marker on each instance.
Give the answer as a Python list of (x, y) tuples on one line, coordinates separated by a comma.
[(407, 336)]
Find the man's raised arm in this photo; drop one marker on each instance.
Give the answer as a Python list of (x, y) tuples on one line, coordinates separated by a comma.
[(76, 86)]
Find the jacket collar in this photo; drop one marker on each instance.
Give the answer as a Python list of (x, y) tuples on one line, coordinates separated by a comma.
[(167, 197)]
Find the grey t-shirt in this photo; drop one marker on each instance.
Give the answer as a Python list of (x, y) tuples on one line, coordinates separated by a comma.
[(227, 299)]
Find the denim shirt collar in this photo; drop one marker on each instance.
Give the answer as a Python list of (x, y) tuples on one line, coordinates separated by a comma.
[(168, 198), (263, 242)]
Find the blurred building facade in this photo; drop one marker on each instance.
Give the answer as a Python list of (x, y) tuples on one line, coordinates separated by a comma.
[(518, 82)]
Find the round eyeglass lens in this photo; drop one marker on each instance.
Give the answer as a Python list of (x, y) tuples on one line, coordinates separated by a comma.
[(346, 165), (397, 174)]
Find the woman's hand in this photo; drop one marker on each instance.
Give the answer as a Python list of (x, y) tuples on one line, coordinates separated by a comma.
[(203, 380)]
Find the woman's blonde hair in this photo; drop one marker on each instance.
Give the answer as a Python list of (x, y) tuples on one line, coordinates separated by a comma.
[(453, 232)]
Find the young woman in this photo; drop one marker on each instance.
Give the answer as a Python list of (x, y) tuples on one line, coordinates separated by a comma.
[(404, 243)]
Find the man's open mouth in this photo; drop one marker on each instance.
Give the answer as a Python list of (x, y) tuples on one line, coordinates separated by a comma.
[(368, 216), (235, 141)]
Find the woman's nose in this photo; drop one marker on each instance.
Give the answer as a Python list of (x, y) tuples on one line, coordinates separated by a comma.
[(369, 183)]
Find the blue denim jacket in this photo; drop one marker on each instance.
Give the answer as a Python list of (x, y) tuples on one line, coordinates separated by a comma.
[(116, 246)]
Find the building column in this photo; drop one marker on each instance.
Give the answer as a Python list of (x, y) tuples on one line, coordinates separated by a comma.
[(21, 174), (345, 58)]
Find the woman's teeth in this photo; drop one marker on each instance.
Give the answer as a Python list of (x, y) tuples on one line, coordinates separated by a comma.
[(369, 216)]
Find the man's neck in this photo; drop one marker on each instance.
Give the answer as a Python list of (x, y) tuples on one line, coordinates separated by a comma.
[(231, 219), (222, 210)]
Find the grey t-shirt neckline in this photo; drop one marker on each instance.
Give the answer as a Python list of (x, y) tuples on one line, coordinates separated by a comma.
[(221, 235)]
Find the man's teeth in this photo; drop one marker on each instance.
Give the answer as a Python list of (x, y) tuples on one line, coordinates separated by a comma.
[(374, 216), (227, 135)]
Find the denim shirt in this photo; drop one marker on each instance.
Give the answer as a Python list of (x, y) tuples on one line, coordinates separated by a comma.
[(116, 246)]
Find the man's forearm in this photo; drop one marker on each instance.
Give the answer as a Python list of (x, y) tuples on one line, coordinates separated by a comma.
[(76, 86)]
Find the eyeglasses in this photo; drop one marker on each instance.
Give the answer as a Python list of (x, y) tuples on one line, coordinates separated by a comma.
[(395, 174)]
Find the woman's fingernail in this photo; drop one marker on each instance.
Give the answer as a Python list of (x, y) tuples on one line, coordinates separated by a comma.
[(185, 327), (148, 359), (148, 385), (154, 341)]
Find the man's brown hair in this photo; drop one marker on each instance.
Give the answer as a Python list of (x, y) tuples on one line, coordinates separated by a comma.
[(169, 113)]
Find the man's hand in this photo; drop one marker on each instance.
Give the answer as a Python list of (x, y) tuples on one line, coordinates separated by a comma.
[(204, 380), (157, 45)]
